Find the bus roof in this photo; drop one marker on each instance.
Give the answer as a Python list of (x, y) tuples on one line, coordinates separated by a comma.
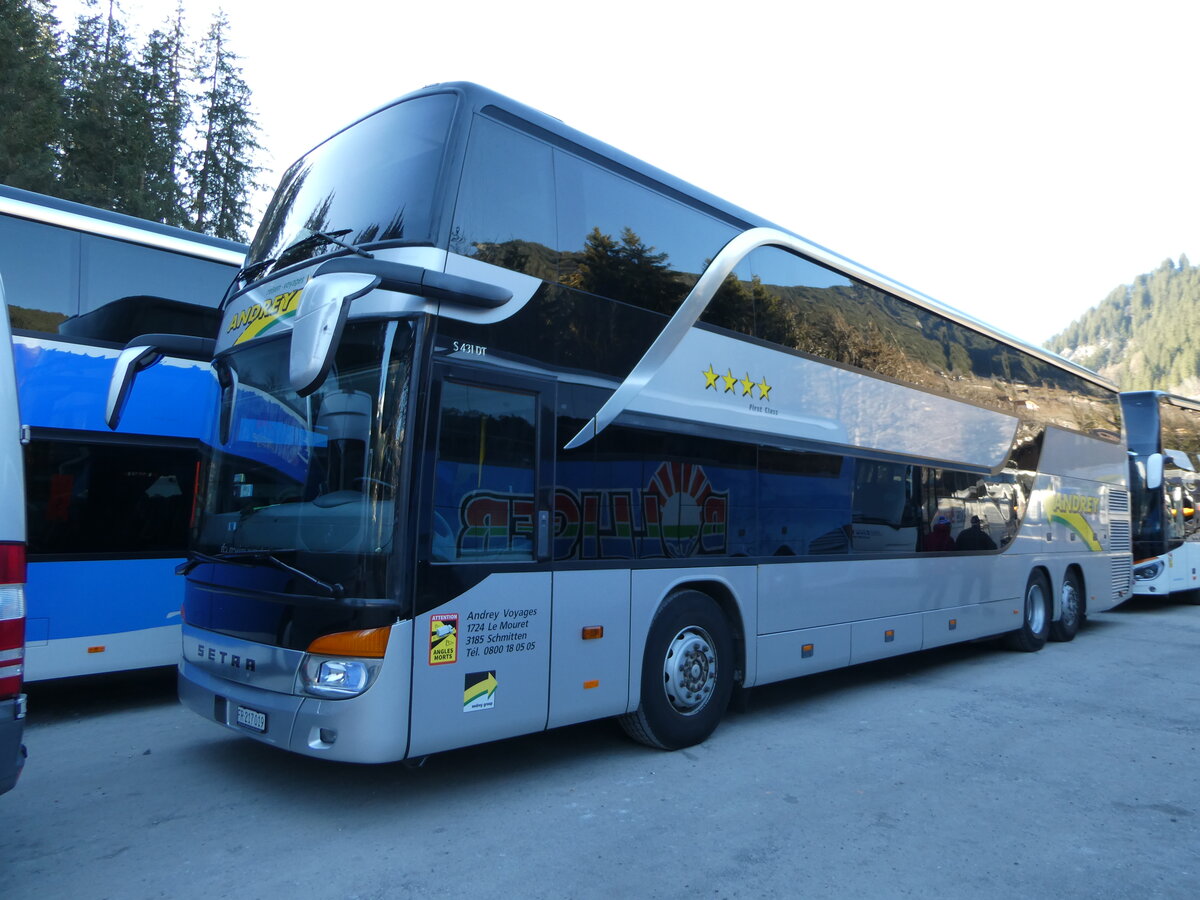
[(485, 100), (80, 217)]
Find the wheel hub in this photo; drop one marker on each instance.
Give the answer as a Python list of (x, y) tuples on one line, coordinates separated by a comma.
[(690, 670), (1035, 608)]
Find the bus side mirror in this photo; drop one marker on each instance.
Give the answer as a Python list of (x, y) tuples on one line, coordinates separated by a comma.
[(1154, 471), (131, 361), (140, 354), (324, 304)]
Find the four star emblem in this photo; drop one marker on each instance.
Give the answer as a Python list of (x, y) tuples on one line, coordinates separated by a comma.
[(731, 381)]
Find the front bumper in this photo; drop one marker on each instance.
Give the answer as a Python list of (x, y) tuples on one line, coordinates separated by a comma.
[(369, 728)]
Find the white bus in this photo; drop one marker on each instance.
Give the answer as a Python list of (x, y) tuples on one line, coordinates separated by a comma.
[(1163, 433), (517, 431), (12, 567)]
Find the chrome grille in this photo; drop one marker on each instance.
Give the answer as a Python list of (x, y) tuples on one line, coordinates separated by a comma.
[(1122, 575), (1119, 539)]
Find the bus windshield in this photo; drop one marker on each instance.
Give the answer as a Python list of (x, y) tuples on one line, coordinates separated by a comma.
[(373, 182), (312, 480)]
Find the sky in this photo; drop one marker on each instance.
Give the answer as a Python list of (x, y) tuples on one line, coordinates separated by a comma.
[(1015, 161)]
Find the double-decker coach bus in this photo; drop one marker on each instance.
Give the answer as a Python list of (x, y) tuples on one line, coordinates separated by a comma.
[(108, 513), (517, 431), (1163, 433)]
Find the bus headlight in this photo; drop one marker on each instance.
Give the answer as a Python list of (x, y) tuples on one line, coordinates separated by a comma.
[(337, 678), (1149, 571), (344, 664)]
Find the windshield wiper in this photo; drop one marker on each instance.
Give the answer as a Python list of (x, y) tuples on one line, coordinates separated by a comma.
[(246, 273), (254, 557), (314, 236), (332, 237)]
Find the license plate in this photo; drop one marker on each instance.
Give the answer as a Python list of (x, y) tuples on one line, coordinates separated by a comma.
[(252, 719)]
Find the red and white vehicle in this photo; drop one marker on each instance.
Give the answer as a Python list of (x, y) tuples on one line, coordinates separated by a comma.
[(12, 568)]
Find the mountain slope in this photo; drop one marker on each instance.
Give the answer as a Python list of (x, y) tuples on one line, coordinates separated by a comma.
[(1145, 334)]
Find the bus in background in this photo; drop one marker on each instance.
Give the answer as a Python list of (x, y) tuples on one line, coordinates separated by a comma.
[(517, 431), (12, 568), (1163, 433), (107, 512)]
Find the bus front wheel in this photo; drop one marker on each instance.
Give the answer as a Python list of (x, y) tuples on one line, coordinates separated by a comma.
[(1071, 616), (687, 674), (1035, 623)]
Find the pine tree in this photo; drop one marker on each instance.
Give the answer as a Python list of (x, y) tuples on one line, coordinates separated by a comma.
[(30, 95), (105, 146), (162, 65), (222, 171), (1145, 334)]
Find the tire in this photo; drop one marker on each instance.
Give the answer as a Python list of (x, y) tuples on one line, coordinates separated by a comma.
[(687, 674), (1071, 616), (1035, 626)]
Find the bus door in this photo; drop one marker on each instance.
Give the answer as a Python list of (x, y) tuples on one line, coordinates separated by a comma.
[(481, 655)]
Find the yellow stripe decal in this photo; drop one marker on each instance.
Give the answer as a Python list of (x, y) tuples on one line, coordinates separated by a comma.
[(1080, 526), (262, 316)]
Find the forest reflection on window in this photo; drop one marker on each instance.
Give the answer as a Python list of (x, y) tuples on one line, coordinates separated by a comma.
[(619, 239)]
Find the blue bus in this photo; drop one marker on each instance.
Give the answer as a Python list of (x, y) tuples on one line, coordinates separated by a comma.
[(107, 512)]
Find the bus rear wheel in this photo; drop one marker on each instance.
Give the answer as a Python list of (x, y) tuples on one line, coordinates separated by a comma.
[(1071, 615), (1035, 623), (687, 674)]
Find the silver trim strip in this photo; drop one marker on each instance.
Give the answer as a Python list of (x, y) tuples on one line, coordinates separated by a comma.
[(233, 659), (1180, 402), (714, 276), (63, 219)]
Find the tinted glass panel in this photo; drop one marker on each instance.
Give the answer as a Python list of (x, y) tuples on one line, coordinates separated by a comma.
[(103, 499), (963, 511), (622, 240), (886, 511), (395, 155), (649, 495), (82, 285), (640, 494), (1181, 431), (805, 501), (1180, 435), (40, 267), (484, 492), (795, 302), (111, 270), (505, 212)]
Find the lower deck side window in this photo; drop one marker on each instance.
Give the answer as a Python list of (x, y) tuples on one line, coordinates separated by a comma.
[(106, 498)]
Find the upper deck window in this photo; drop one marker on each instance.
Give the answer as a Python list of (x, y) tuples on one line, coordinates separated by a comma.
[(375, 181), (54, 277), (505, 212), (621, 240)]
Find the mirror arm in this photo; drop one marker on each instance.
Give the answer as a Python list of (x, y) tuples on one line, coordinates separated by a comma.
[(140, 354), (184, 346), (406, 279), (131, 361)]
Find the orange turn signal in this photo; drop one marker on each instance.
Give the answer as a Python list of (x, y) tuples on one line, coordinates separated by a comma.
[(593, 632), (371, 643)]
